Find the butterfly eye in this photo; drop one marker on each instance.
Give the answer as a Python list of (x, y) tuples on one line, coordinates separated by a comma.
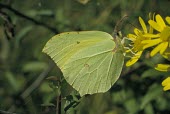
[(119, 34)]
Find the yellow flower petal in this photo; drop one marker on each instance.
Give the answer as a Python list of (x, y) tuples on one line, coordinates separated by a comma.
[(164, 46), (132, 37), (166, 81), (150, 43), (134, 59), (156, 50), (166, 84), (155, 25), (136, 31), (150, 29), (168, 19), (167, 87), (131, 62), (143, 25), (127, 51), (166, 54), (162, 67), (151, 35), (160, 21), (151, 17)]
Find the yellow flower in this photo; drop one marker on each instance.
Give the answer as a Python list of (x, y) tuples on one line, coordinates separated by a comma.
[(166, 84), (137, 46), (160, 40)]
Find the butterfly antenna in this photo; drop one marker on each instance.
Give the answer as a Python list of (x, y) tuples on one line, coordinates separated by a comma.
[(118, 23), (131, 24)]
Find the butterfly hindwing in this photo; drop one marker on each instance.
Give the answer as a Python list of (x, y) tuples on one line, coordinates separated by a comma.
[(90, 61)]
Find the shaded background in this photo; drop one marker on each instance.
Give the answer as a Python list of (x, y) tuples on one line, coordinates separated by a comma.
[(25, 27)]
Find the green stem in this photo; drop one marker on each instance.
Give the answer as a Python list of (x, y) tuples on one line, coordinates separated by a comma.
[(58, 106)]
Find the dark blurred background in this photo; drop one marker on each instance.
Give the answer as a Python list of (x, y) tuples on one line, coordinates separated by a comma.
[(25, 27)]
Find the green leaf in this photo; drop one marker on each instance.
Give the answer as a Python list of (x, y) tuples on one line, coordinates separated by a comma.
[(12, 81), (132, 106), (153, 93), (149, 109), (91, 61), (153, 73), (34, 66), (22, 34)]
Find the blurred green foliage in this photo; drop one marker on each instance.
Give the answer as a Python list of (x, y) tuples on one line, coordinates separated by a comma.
[(24, 88)]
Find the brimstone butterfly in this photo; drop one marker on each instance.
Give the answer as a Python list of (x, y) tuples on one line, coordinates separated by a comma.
[(91, 61)]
